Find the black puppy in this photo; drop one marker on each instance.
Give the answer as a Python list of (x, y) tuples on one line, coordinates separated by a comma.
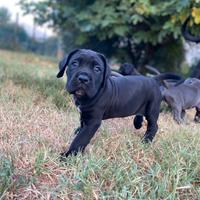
[(101, 96), (128, 69)]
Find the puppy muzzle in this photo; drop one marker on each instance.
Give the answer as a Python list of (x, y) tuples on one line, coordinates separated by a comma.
[(80, 84)]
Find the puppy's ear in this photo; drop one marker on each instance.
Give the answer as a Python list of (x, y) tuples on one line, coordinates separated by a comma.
[(64, 62), (107, 70)]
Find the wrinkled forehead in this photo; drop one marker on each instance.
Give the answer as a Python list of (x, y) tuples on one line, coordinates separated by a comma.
[(87, 57)]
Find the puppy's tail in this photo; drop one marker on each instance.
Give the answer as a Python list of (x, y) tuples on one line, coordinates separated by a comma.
[(167, 76), (138, 121), (152, 69)]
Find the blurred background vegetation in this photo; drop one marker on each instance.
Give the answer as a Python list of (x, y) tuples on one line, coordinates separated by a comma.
[(14, 37), (137, 31)]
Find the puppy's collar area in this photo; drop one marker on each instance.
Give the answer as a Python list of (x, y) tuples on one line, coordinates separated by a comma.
[(87, 103)]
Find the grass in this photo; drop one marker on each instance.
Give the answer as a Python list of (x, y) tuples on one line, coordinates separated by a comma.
[(37, 122)]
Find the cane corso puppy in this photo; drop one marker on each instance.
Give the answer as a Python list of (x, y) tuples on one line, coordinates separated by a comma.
[(100, 96), (183, 96), (128, 69)]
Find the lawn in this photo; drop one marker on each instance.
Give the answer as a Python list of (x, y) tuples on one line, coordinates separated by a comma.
[(37, 120)]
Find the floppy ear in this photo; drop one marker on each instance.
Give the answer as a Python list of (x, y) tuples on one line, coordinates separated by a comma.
[(64, 62), (107, 70)]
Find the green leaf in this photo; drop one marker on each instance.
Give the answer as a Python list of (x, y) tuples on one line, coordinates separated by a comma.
[(136, 19), (120, 30), (81, 39)]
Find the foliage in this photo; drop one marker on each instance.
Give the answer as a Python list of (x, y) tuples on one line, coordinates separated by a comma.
[(137, 26), (14, 37), (4, 15), (44, 47), (11, 35), (196, 15), (145, 20)]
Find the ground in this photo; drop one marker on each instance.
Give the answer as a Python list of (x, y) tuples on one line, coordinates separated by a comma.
[(37, 120)]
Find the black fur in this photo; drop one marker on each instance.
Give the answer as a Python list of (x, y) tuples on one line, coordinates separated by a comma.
[(101, 96)]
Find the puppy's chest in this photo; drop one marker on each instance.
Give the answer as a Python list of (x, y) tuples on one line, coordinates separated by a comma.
[(86, 112), (78, 108)]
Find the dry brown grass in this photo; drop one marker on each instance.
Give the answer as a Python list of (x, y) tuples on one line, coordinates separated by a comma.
[(34, 126), (115, 165)]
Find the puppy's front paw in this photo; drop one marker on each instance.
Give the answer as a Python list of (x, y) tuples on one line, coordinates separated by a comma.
[(64, 155), (146, 140)]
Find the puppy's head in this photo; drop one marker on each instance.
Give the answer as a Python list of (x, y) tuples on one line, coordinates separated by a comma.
[(127, 69), (87, 72)]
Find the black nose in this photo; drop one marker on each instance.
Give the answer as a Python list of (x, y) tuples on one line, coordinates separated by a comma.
[(83, 78)]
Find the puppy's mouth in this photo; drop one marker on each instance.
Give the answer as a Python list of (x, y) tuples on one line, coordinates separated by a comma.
[(79, 93)]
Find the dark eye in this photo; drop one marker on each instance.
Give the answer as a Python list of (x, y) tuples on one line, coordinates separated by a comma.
[(97, 69), (74, 64)]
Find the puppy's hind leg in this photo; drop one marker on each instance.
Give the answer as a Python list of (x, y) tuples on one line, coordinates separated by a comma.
[(152, 126), (138, 121), (177, 111), (183, 114)]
